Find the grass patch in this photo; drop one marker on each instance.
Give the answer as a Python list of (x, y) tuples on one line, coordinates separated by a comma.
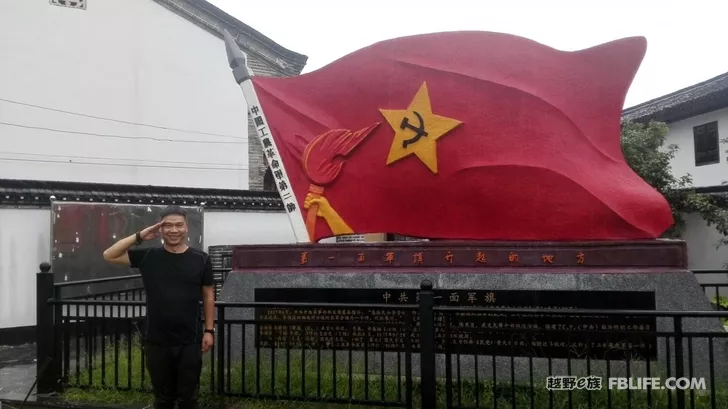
[(97, 386), (721, 304)]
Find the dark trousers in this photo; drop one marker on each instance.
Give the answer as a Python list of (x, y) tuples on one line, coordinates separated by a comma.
[(175, 374)]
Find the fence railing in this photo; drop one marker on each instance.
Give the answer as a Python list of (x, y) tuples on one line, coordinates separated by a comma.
[(131, 289), (411, 356), (715, 285), (133, 292)]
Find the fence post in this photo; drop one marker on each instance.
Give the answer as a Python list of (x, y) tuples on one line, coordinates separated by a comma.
[(427, 345), (220, 344), (679, 360), (48, 371)]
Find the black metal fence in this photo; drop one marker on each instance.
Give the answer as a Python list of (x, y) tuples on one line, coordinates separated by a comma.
[(222, 263), (408, 356), (715, 285)]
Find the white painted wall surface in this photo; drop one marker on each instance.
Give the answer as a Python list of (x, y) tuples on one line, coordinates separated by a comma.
[(704, 255), (681, 134), (702, 241), (131, 60), (24, 244), (231, 228)]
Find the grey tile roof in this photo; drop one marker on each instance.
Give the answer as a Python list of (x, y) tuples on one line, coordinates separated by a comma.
[(289, 55), (37, 193), (694, 100), (214, 20)]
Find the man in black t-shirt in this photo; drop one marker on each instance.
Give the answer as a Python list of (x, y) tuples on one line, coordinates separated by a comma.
[(176, 278)]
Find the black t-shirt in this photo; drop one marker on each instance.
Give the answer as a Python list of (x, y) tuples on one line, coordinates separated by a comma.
[(173, 285)]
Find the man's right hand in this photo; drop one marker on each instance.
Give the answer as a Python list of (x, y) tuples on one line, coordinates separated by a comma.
[(117, 254), (150, 232)]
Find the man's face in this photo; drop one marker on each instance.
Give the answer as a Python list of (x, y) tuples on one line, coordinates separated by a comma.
[(174, 229)]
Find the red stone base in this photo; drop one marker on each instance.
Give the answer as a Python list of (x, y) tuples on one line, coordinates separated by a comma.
[(612, 256)]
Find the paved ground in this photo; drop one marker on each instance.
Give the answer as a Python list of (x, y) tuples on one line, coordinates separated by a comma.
[(17, 371)]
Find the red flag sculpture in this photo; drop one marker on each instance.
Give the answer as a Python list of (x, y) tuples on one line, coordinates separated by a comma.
[(481, 136)]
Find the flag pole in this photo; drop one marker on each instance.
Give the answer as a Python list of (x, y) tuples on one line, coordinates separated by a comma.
[(243, 76)]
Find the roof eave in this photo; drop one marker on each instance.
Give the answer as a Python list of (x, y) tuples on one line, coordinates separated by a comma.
[(36, 193), (709, 103), (286, 61), (707, 96)]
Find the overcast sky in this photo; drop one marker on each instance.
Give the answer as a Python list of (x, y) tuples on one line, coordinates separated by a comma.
[(686, 39)]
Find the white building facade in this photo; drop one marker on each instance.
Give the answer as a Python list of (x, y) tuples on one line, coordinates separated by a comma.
[(698, 120), (100, 96), (129, 92)]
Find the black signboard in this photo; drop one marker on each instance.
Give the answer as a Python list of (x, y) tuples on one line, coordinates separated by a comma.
[(549, 332)]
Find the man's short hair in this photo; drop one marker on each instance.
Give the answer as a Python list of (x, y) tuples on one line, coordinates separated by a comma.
[(173, 209)]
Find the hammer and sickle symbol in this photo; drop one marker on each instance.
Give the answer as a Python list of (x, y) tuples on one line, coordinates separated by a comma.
[(419, 130)]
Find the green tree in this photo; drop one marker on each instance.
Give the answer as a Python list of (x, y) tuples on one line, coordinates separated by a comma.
[(643, 148)]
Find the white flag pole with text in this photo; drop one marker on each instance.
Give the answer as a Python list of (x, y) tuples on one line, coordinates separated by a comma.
[(243, 76)]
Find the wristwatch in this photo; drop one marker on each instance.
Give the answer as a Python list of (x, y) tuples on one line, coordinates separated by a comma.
[(210, 331), (139, 238)]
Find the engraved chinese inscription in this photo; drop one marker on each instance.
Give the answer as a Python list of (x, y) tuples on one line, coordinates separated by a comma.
[(550, 331)]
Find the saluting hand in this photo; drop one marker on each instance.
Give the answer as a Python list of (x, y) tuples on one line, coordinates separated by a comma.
[(150, 232)]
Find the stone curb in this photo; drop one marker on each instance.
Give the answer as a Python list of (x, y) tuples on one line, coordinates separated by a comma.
[(57, 403)]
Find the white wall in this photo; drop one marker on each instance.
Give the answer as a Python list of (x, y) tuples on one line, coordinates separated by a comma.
[(230, 228), (681, 134), (703, 254), (24, 244), (131, 60), (702, 242), (25, 236)]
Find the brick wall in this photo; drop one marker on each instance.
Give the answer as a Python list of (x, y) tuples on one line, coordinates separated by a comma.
[(256, 160)]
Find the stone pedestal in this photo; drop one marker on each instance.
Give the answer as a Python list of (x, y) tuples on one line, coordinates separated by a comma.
[(657, 266)]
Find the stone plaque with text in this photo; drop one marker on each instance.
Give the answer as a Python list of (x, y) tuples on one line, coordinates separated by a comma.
[(549, 331)]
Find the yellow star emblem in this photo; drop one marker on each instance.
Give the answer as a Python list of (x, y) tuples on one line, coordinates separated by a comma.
[(417, 130)]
